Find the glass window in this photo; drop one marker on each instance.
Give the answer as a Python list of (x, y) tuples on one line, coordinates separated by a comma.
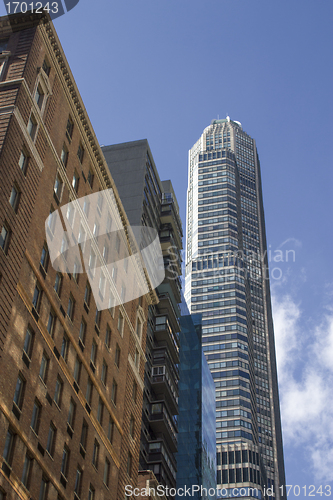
[(19, 391), (28, 342), (64, 347), (51, 322), (134, 391), (75, 181), (36, 414), (97, 318), (100, 410), (83, 329), (51, 439), (84, 435), (89, 391), (120, 323), (4, 238), (9, 447), (77, 370), (87, 294), (44, 367), (132, 426), (117, 356), (95, 454), (110, 430), (69, 127), (58, 283), (104, 372), (70, 308), (23, 161), (32, 126), (106, 473), (46, 67), (64, 155), (14, 198), (90, 178), (114, 391), (36, 300), (65, 461), (80, 153), (108, 336), (26, 474), (39, 96), (91, 493), (93, 352), (43, 489), (58, 184), (44, 259), (58, 391), (78, 482), (71, 413)]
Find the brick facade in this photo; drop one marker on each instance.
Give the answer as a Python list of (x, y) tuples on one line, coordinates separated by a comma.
[(32, 48)]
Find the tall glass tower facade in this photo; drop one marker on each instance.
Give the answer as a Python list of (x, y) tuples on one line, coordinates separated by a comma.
[(227, 282)]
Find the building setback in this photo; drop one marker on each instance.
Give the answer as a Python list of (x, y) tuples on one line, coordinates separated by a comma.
[(71, 382), (227, 281), (150, 202)]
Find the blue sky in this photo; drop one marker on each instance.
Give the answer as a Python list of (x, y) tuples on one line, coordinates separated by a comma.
[(162, 70)]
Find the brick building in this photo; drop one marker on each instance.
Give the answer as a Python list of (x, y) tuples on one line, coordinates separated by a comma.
[(71, 376)]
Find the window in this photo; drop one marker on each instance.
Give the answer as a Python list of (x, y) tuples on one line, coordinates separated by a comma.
[(117, 356), (87, 294), (58, 283), (108, 336), (80, 153), (28, 342), (58, 391), (120, 323), (117, 243), (23, 162), (78, 482), (134, 391), (75, 181), (91, 493), (36, 300), (95, 454), (43, 489), (64, 155), (32, 126), (100, 410), (129, 464), (64, 347), (65, 461), (69, 128), (5, 237), (8, 451), (114, 392), (123, 294), (110, 430), (46, 67), (106, 474), (44, 366), (71, 413), (84, 435), (97, 318), (83, 329), (51, 322), (90, 178), (39, 96), (19, 391), (77, 370), (26, 474), (14, 198), (36, 415), (132, 426), (93, 353), (89, 391), (138, 328), (44, 259), (71, 306), (114, 273), (58, 184), (51, 439), (137, 358), (104, 372)]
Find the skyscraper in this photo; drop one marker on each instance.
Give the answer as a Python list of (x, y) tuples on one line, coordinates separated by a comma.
[(227, 281), (151, 202)]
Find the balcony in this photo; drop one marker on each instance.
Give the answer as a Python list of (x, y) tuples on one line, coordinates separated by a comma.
[(165, 336), (170, 215), (167, 307), (165, 386), (162, 424)]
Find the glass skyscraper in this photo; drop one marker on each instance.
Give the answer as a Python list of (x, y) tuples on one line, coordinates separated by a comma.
[(227, 282)]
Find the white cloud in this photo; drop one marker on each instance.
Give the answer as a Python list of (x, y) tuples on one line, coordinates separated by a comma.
[(305, 392)]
